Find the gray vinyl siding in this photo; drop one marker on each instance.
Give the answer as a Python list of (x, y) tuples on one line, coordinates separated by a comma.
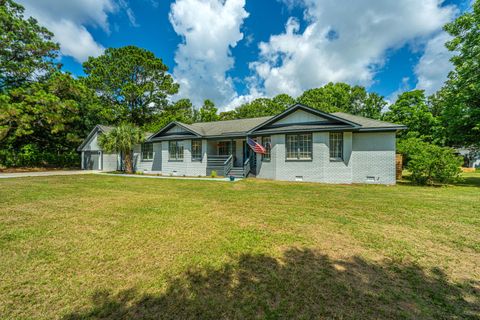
[(92, 144), (364, 155), (110, 162), (187, 167)]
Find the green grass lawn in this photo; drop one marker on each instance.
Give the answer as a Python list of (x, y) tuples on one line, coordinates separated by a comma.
[(92, 246)]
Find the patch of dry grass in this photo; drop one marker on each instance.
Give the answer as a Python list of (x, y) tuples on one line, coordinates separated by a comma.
[(112, 247)]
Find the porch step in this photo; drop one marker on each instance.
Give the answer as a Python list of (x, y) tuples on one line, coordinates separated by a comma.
[(236, 172), (216, 161)]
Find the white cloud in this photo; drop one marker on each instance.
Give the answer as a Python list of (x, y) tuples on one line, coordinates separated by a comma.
[(343, 42), (130, 15), (75, 40), (209, 28), (238, 100), (68, 20), (433, 67)]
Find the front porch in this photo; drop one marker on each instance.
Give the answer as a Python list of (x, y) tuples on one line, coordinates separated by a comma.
[(232, 157)]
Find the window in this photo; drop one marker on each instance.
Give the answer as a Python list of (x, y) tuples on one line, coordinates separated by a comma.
[(267, 144), (336, 145), (147, 151), (223, 148), (175, 150), (226, 148), (197, 150), (299, 146)]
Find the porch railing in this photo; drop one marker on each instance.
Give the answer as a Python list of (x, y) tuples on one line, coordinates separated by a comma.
[(246, 167), (227, 165), (220, 164)]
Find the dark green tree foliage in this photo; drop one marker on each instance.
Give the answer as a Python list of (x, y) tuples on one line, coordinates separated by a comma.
[(342, 97), (282, 102), (429, 163), (181, 110), (227, 115), (26, 48), (207, 112), (412, 109), (261, 107), (132, 82), (459, 99), (42, 123)]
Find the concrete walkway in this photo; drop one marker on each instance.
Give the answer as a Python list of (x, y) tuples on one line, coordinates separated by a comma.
[(75, 172), (168, 177), (46, 173)]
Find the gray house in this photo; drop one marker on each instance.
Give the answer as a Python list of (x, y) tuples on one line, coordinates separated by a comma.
[(303, 144)]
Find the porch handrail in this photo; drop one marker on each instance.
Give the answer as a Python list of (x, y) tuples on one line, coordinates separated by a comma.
[(228, 164), (246, 167)]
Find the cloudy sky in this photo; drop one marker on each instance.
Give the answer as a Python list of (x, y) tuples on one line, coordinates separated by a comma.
[(232, 51)]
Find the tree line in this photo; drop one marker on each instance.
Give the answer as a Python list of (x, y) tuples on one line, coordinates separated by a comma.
[(46, 112)]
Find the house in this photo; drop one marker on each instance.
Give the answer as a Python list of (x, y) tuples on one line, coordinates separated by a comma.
[(303, 144), (471, 157)]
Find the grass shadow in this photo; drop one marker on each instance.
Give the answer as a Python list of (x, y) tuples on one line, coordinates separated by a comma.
[(471, 179), (302, 285)]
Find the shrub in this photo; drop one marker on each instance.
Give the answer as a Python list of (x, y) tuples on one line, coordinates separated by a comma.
[(431, 164), (408, 147), (213, 174), (31, 155)]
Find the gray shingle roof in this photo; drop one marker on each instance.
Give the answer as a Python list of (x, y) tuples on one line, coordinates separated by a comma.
[(227, 127), (266, 125)]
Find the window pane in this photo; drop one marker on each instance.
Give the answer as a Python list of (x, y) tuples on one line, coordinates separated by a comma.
[(175, 150), (299, 146), (197, 149), (292, 146), (266, 142), (171, 150), (336, 145), (147, 151), (305, 146), (226, 148), (179, 151)]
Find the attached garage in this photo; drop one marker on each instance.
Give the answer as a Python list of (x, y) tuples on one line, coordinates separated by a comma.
[(92, 160)]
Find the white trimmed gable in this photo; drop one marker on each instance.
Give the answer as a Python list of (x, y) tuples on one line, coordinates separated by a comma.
[(300, 116), (175, 129), (92, 143)]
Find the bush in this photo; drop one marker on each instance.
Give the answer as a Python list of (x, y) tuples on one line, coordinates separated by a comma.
[(408, 147), (213, 174), (31, 155), (430, 164)]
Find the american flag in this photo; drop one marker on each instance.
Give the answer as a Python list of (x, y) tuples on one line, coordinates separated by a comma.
[(256, 147)]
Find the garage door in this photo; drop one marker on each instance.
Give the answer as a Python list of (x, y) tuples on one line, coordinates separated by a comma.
[(91, 160)]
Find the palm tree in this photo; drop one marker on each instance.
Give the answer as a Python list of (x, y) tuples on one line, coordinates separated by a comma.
[(121, 139)]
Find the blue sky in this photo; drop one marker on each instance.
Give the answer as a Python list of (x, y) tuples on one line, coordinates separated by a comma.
[(232, 51)]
